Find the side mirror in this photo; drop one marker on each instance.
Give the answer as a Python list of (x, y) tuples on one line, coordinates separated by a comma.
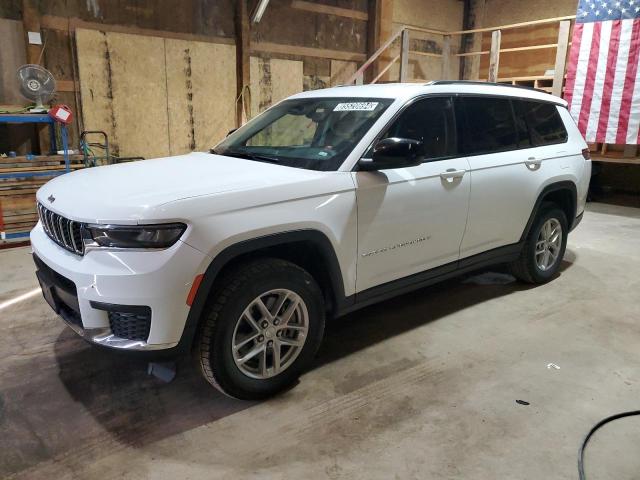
[(393, 152)]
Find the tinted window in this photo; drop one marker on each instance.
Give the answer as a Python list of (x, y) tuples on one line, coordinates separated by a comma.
[(432, 122), (543, 120), (490, 126)]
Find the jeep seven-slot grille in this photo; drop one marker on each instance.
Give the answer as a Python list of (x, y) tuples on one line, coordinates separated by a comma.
[(66, 233)]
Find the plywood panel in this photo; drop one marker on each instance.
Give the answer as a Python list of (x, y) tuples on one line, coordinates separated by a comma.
[(12, 56), (139, 94), (156, 96), (273, 80), (341, 71), (96, 84), (214, 91), (286, 78)]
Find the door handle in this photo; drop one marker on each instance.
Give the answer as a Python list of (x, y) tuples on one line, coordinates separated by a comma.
[(451, 174), (533, 163)]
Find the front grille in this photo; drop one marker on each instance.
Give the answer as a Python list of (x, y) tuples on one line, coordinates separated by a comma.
[(66, 233), (133, 326)]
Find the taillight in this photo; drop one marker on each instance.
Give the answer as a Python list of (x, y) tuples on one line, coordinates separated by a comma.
[(586, 154)]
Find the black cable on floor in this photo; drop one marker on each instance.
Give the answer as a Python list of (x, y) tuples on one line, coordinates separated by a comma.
[(581, 475)]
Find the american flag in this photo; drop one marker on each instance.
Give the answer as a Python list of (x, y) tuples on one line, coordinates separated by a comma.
[(603, 82)]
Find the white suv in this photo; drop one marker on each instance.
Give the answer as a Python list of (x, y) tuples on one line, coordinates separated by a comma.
[(329, 201)]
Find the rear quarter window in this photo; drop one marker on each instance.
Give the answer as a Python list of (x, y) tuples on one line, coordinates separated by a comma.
[(543, 120)]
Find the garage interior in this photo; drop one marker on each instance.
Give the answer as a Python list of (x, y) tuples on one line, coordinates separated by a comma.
[(477, 377)]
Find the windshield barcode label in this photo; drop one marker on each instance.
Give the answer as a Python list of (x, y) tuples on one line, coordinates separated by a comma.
[(356, 107)]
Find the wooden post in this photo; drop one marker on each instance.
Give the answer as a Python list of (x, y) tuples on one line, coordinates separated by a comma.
[(472, 42), (243, 68), (446, 57), (494, 56), (379, 30), (404, 55), (31, 22), (561, 58)]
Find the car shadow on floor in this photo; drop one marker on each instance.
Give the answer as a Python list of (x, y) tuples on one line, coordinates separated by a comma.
[(137, 409)]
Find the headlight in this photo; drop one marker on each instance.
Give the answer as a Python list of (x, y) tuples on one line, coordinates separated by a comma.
[(134, 236)]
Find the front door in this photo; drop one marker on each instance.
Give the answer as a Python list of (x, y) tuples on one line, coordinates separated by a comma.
[(413, 219)]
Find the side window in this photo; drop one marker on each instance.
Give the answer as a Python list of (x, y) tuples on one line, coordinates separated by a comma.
[(432, 122), (490, 126), (543, 119)]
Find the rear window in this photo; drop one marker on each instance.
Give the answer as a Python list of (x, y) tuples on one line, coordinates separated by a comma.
[(490, 125), (543, 121)]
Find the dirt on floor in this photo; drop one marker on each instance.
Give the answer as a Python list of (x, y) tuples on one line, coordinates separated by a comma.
[(423, 386)]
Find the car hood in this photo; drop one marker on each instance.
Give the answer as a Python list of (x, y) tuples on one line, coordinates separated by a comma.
[(132, 192)]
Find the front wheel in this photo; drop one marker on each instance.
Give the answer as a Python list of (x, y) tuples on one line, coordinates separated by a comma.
[(544, 247), (261, 329)]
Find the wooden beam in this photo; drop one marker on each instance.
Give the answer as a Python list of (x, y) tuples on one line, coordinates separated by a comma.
[(243, 70), (425, 54), (379, 31), (446, 57), (494, 56), (268, 47), (404, 55), (31, 23), (470, 67), (561, 57), (65, 24), (329, 10), (507, 50), (513, 25), (66, 86)]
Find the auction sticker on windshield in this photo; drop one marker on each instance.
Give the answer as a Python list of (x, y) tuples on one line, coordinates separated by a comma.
[(356, 107)]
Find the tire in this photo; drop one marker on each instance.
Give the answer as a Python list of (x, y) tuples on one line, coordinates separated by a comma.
[(528, 267), (228, 321)]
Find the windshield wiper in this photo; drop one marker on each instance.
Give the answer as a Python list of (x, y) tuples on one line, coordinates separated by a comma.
[(249, 156)]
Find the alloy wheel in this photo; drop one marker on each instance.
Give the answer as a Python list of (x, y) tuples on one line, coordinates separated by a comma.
[(549, 244), (270, 333)]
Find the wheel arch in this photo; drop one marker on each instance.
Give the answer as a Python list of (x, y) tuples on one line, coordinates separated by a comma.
[(302, 247), (564, 194)]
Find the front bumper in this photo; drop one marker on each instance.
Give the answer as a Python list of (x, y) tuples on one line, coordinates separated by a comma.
[(79, 287)]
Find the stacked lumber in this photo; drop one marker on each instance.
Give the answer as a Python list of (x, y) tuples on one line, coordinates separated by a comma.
[(20, 178)]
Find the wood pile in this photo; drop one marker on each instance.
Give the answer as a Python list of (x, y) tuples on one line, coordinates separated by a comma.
[(20, 178)]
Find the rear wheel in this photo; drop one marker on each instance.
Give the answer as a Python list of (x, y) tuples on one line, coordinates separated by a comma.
[(261, 330), (544, 247)]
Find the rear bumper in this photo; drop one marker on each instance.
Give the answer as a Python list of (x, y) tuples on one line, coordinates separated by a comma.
[(144, 290)]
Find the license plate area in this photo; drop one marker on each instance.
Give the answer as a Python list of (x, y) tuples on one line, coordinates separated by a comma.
[(48, 291)]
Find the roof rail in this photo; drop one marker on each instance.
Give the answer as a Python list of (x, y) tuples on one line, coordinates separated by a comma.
[(491, 84)]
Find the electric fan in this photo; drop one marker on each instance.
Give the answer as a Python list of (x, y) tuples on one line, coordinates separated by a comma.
[(36, 84)]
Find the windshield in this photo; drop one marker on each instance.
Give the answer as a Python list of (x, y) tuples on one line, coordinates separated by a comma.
[(311, 133)]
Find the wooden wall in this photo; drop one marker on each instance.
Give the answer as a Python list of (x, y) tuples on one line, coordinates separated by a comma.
[(523, 63), (180, 94)]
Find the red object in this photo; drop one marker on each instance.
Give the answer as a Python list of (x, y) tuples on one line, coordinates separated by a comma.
[(194, 289), (61, 113)]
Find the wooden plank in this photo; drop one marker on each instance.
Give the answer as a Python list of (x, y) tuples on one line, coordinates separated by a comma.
[(71, 24), (243, 67), (507, 50), (96, 80), (273, 80), (404, 55), (494, 61), (138, 94), (341, 71), (31, 22), (618, 160), (561, 57), (513, 25), (268, 47), (329, 10), (425, 54), (66, 86), (446, 57)]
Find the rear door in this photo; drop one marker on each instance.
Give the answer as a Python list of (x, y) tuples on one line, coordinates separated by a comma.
[(412, 219), (514, 146)]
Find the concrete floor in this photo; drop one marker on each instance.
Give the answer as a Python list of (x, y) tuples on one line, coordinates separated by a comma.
[(423, 386)]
